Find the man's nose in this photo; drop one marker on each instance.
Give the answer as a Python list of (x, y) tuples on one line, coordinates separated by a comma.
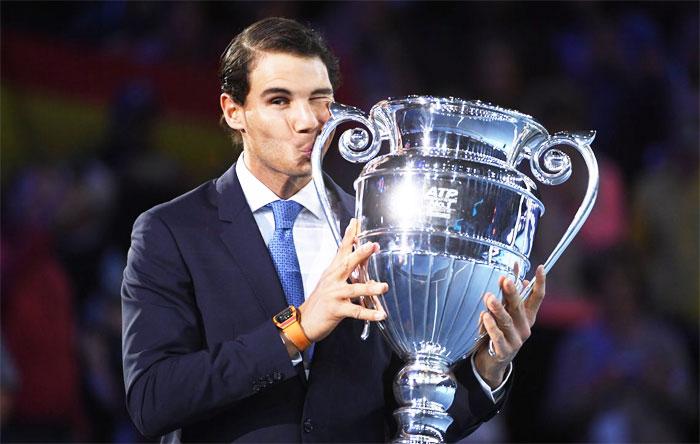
[(305, 119)]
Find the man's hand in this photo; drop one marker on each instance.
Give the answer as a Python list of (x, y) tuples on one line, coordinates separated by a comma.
[(508, 326), (331, 301)]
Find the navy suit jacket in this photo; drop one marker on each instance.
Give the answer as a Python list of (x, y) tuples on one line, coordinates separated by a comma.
[(201, 353)]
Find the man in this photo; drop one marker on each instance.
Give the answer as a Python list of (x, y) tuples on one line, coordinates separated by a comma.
[(207, 272)]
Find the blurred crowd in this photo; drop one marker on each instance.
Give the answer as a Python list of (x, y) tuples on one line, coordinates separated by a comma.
[(614, 355)]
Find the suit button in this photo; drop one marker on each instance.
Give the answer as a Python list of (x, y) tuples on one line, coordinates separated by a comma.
[(308, 426)]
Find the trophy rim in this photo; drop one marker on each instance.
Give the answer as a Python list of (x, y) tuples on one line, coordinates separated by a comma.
[(415, 99)]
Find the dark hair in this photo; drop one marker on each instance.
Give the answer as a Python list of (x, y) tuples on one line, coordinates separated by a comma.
[(273, 34)]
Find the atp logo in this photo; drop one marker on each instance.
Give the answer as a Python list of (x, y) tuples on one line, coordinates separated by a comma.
[(440, 201)]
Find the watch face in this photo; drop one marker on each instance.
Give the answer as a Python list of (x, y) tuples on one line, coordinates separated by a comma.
[(284, 316)]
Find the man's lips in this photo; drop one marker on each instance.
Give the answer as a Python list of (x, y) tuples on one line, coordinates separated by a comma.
[(306, 149)]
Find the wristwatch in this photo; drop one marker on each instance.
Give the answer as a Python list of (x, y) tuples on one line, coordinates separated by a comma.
[(288, 320)]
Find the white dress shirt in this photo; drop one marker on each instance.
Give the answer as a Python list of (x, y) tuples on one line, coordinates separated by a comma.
[(313, 238)]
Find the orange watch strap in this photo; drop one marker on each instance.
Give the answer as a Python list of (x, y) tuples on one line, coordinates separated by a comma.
[(296, 335)]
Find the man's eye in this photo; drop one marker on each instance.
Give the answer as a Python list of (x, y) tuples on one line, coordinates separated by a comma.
[(279, 101)]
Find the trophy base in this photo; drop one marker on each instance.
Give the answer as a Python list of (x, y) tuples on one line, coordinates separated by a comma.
[(421, 425), (425, 388)]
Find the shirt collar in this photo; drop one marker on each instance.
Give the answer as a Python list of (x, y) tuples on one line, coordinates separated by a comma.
[(257, 194)]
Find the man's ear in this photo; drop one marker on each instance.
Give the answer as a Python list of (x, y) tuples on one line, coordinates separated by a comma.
[(232, 111)]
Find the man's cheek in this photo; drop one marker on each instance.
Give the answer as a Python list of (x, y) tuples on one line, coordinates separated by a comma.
[(324, 112)]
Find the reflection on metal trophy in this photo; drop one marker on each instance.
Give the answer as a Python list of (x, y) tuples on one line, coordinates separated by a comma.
[(452, 214)]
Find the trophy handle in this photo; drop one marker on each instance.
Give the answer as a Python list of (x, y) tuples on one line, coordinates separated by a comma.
[(558, 166), (354, 146)]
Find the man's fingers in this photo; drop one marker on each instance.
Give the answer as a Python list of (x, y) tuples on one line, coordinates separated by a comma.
[(352, 260), (373, 303), (515, 308), (348, 238), (346, 246), (510, 293), (350, 310), (511, 296), (371, 288), (532, 305), (501, 316), (501, 344)]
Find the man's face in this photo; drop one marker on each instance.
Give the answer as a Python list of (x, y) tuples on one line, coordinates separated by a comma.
[(283, 113)]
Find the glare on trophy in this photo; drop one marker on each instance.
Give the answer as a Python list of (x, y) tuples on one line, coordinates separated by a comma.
[(452, 214)]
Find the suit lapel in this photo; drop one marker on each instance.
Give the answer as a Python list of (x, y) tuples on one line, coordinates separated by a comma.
[(344, 203), (243, 240)]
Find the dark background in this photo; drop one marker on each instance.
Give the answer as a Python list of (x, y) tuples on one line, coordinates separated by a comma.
[(108, 108)]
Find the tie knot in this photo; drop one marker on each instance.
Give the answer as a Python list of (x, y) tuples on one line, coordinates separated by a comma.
[(285, 212)]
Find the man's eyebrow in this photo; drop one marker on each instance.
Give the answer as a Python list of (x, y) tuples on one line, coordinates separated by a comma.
[(286, 92), (283, 91), (322, 91)]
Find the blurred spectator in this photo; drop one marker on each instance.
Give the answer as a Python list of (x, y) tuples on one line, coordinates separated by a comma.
[(38, 319), (666, 198), (627, 376), (83, 221), (666, 230), (101, 352), (9, 382)]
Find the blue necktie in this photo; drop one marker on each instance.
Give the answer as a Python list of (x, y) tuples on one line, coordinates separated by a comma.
[(282, 250)]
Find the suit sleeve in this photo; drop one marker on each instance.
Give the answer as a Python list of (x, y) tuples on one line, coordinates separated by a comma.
[(172, 376), (471, 406)]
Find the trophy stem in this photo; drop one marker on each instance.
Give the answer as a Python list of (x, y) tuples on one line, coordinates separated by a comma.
[(425, 389)]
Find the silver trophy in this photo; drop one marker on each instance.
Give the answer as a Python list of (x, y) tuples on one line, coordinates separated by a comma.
[(452, 214)]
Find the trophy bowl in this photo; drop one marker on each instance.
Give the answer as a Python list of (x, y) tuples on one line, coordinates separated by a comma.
[(452, 214)]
